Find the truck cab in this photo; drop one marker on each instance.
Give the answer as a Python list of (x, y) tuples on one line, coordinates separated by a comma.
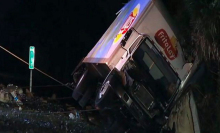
[(138, 65)]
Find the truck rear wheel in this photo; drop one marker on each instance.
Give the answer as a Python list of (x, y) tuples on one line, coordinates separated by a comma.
[(84, 89)]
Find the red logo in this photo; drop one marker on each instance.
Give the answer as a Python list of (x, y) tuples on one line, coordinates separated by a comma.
[(127, 24), (163, 40)]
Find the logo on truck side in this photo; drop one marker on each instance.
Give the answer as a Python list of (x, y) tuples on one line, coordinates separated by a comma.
[(169, 45), (127, 24)]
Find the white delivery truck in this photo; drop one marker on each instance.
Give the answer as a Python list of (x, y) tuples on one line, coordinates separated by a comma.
[(137, 66)]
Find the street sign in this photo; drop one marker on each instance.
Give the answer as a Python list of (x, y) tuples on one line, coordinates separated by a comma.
[(31, 57)]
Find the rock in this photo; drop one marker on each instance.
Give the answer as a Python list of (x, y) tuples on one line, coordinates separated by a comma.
[(72, 116), (29, 94), (5, 96), (2, 86), (53, 96)]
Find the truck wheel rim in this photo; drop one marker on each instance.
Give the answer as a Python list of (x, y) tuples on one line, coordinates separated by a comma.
[(103, 89)]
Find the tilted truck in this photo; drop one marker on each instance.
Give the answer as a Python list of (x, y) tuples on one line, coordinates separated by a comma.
[(137, 69)]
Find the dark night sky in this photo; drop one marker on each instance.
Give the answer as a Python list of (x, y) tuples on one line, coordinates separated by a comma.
[(63, 31)]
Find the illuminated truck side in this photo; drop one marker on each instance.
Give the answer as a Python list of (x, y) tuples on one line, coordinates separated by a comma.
[(138, 60)]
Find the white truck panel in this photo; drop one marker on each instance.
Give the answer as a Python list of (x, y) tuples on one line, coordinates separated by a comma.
[(147, 17)]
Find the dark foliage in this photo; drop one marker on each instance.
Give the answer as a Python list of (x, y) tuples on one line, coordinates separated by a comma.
[(199, 23), (205, 23)]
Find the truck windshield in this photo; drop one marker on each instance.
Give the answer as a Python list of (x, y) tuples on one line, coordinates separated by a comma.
[(156, 72)]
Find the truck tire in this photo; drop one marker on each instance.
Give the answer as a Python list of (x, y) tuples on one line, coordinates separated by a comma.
[(106, 96), (84, 83), (86, 97)]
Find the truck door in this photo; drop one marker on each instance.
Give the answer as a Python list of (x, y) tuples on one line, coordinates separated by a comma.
[(156, 72)]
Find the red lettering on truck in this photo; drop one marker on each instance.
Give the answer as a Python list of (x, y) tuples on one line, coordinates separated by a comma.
[(163, 40)]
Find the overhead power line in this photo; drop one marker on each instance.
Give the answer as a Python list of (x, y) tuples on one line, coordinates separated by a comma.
[(35, 67)]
